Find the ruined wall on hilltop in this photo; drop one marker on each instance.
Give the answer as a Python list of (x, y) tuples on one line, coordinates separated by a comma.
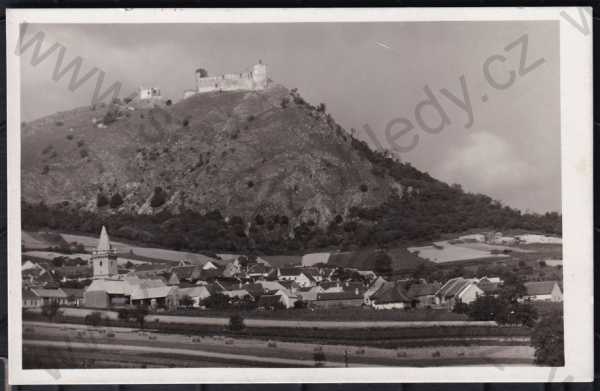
[(251, 81)]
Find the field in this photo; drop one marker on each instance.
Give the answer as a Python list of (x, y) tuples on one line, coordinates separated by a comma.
[(442, 252), (337, 314), (184, 346)]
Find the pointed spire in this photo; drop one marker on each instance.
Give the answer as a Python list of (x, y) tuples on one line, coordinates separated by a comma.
[(104, 242)]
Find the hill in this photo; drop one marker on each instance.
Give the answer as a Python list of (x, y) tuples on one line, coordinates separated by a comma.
[(260, 170), (239, 152)]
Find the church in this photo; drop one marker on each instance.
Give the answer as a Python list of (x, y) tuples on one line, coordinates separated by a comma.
[(109, 289), (104, 257)]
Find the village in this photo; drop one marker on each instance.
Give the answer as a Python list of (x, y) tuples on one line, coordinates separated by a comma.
[(113, 280)]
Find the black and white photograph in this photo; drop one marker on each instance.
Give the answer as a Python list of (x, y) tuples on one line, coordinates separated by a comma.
[(302, 193)]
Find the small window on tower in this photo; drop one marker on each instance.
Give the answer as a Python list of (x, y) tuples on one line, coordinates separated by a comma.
[(100, 263)]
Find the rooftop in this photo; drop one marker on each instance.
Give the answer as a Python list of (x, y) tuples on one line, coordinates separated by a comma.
[(539, 287)]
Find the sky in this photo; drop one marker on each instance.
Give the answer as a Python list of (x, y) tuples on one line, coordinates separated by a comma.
[(399, 84)]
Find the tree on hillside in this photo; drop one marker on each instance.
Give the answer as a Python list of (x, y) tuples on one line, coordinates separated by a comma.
[(101, 200), (158, 198), (116, 200), (548, 340)]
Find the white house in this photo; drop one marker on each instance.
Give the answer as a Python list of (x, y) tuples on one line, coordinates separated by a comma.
[(304, 280), (30, 299), (273, 286), (287, 300), (543, 291), (459, 289), (27, 265), (209, 266)]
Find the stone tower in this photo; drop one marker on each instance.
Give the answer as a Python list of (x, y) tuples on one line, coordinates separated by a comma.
[(104, 257), (259, 76)]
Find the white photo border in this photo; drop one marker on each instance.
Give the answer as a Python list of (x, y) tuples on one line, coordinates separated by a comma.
[(577, 199)]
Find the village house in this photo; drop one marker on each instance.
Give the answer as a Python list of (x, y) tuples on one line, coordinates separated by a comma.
[(331, 286), (372, 289), (36, 277), (30, 299), (48, 295), (390, 296), (286, 298), (105, 293), (74, 296), (258, 270), (458, 289), (274, 286), (30, 265), (197, 293), (180, 274), (423, 294), (543, 291), (296, 275), (349, 298), (232, 269), (209, 265), (314, 273), (155, 297), (255, 290), (310, 294)]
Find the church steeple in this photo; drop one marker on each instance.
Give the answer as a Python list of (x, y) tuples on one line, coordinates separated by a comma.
[(104, 258), (104, 242)]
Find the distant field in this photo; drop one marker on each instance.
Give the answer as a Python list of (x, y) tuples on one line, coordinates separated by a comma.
[(444, 252), (150, 252), (49, 255), (41, 240), (33, 241)]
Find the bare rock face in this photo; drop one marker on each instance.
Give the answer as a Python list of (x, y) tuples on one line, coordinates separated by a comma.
[(242, 153)]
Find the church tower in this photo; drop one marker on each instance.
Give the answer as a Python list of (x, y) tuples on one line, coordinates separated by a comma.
[(104, 257)]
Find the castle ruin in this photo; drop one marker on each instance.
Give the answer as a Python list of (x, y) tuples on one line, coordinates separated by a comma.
[(254, 80)]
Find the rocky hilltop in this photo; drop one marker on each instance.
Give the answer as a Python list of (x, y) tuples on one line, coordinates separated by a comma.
[(243, 153)]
